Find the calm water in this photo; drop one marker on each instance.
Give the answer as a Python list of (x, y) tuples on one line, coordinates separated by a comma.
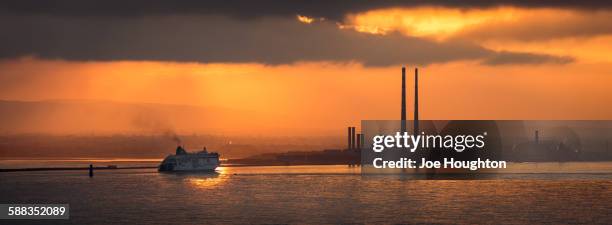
[(310, 195)]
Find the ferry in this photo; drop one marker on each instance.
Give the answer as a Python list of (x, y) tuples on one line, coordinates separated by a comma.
[(185, 161)]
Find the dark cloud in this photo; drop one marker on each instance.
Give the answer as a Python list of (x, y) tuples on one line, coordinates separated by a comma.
[(330, 9), (504, 58), (222, 39)]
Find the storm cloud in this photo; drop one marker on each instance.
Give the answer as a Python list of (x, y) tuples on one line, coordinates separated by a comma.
[(225, 39), (329, 9)]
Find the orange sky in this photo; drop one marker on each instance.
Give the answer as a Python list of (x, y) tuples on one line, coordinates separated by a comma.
[(322, 96)]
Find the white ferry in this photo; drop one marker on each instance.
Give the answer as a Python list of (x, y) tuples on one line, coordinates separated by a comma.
[(185, 161)]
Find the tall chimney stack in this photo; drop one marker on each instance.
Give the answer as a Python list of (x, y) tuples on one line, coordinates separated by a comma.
[(403, 116), (416, 101)]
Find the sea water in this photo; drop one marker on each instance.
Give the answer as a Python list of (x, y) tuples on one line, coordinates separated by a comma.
[(311, 195)]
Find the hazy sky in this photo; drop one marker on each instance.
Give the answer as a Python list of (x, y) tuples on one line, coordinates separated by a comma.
[(316, 64)]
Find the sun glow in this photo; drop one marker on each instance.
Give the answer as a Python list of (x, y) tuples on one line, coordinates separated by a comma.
[(305, 19), (435, 22)]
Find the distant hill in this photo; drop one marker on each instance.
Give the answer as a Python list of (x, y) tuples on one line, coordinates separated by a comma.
[(88, 128)]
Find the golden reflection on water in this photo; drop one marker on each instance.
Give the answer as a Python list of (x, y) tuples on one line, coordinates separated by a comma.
[(206, 182), (221, 170)]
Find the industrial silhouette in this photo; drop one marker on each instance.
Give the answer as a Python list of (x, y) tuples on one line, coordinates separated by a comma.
[(496, 148)]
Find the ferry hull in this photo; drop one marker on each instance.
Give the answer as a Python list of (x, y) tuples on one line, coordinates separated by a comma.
[(186, 162), (205, 168)]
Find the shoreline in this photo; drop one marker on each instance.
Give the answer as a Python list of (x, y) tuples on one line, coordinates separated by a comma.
[(73, 168), (141, 167)]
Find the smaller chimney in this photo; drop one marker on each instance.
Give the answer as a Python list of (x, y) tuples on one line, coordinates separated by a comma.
[(362, 140), (353, 138), (537, 137), (358, 141), (348, 145)]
